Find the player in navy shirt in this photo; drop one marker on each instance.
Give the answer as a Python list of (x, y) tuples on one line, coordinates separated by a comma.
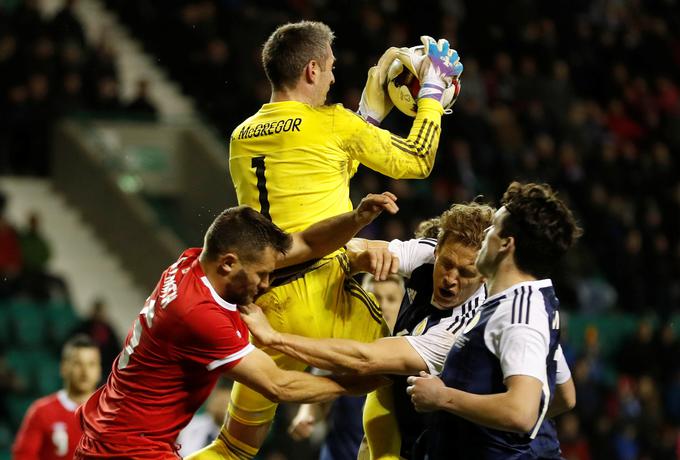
[(499, 377)]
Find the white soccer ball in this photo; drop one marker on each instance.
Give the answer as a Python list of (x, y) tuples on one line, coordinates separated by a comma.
[(403, 87)]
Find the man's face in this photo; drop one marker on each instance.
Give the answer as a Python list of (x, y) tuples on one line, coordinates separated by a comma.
[(455, 276), (326, 77), (388, 293), (488, 260), (248, 279), (81, 369)]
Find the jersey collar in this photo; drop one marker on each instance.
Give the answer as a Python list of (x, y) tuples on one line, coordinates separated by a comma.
[(65, 401), (220, 301), (546, 282)]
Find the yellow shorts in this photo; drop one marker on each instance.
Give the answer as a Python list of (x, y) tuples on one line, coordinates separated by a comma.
[(321, 301)]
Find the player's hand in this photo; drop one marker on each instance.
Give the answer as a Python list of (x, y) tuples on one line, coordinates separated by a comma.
[(302, 426), (375, 103), (377, 260), (372, 205), (438, 68), (258, 324), (425, 391)]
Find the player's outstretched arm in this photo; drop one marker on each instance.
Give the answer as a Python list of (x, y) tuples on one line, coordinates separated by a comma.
[(372, 256), (258, 371), (390, 355), (516, 410), (411, 157), (330, 234)]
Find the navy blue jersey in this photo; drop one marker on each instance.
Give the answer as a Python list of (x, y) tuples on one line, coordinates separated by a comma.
[(346, 430), (525, 315), (416, 317)]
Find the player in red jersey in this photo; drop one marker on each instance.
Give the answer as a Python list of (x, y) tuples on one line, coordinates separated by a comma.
[(50, 429), (190, 331)]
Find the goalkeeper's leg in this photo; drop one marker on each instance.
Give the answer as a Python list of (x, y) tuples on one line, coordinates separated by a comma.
[(380, 425)]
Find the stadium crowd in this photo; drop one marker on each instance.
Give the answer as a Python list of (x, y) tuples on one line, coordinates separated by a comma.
[(581, 94), (49, 70)]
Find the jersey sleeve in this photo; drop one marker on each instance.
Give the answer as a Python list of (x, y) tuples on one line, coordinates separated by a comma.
[(213, 339), (29, 439), (412, 253), (520, 342), (563, 372), (394, 156), (435, 344)]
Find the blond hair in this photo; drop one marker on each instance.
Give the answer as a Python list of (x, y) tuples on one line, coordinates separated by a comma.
[(465, 223)]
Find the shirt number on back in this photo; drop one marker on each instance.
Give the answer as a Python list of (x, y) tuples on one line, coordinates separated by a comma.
[(148, 313), (258, 164)]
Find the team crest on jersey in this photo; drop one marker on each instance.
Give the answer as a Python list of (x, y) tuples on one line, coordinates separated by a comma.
[(472, 323), (60, 439), (411, 293), (420, 328)]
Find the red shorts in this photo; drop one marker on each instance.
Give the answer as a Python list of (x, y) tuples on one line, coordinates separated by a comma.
[(91, 449)]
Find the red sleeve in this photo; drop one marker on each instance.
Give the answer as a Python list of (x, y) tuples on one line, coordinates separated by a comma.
[(29, 439), (217, 338)]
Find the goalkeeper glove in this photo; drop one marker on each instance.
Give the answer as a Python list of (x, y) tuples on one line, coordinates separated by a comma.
[(375, 103), (437, 68)]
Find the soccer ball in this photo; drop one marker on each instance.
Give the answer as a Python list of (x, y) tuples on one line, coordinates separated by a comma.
[(403, 87)]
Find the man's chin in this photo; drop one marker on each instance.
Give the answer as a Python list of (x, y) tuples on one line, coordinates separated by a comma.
[(446, 304)]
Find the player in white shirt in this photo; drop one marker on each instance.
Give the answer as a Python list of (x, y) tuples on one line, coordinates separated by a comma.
[(442, 282), (499, 377)]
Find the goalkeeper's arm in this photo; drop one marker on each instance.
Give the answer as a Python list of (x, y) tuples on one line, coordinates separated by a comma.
[(397, 157), (412, 157)]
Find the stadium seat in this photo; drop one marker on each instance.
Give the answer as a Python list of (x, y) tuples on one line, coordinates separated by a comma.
[(61, 322), (612, 329), (27, 363), (16, 408), (27, 320), (4, 326), (48, 377), (5, 437)]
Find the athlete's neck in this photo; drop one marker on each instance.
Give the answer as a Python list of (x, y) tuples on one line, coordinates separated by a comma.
[(77, 397), (296, 94), (506, 276), (210, 270)]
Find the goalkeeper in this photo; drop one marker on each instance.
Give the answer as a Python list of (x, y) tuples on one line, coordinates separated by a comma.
[(293, 160)]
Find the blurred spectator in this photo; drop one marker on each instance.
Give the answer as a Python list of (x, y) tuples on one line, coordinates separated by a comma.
[(11, 261), (98, 328), (141, 105), (34, 247), (574, 445), (50, 429), (65, 24), (638, 354)]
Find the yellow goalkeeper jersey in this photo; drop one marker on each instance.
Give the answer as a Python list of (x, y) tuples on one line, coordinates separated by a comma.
[(293, 162)]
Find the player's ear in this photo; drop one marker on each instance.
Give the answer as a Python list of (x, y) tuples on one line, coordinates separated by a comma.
[(228, 262), (507, 244), (311, 71)]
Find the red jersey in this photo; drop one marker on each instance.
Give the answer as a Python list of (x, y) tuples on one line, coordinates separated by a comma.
[(184, 338), (49, 431)]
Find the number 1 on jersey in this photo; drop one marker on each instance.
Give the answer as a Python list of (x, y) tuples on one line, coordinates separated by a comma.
[(258, 164)]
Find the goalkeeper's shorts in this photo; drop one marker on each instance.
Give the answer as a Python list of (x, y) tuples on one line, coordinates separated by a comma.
[(321, 301)]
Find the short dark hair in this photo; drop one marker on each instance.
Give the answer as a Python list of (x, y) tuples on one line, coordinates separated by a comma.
[(245, 232), (76, 342), (542, 225), (290, 48)]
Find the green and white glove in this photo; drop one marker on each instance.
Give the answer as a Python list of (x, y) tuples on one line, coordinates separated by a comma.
[(375, 103)]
